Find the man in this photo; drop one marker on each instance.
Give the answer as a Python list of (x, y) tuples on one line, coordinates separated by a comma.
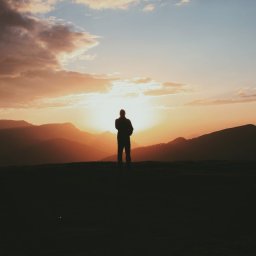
[(125, 129)]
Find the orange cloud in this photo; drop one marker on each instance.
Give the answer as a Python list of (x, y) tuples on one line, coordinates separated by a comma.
[(247, 92), (147, 87), (28, 43), (142, 80), (166, 89), (34, 6), (244, 95), (108, 4), (19, 91), (124, 4), (31, 51), (205, 102)]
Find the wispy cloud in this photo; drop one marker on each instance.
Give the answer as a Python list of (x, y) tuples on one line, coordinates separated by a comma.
[(166, 88), (149, 8), (247, 92), (125, 4), (107, 4), (29, 43), (39, 84), (32, 50), (245, 95), (182, 2), (205, 102), (142, 80), (148, 87), (44, 6), (33, 6)]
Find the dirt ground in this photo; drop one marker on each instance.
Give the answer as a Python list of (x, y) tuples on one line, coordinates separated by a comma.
[(79, 209)]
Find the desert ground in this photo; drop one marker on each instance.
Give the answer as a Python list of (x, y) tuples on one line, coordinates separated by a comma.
[(178, 208)]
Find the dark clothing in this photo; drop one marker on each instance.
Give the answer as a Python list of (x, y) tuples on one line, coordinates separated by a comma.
[(125, 130), (124, 145)]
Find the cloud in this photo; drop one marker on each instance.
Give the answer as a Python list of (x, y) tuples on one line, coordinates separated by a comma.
[(25, 89), (142, 80), (205, 102), (44, 6), (149, 8), (28, 43), (72, 100), (166, 88), (31, 55), (125, 4), (33, 6), (148, 87), (182, 2), (32, 51), (247, 92), (245, 95), (107, 4)]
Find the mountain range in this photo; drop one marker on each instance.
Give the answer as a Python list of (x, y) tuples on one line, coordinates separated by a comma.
[(237, 143), (22, 143)]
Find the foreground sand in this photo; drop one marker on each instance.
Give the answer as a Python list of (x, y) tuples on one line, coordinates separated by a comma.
[(184, 208)]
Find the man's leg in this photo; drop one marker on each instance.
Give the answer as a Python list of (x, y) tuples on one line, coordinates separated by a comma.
[(120, 152), (128, 152)]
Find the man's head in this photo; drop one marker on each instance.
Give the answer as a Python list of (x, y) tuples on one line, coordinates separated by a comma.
[(122, 113)]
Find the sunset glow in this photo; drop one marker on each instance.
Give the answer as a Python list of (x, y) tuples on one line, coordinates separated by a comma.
[(178, 68), (107, 110), (128, 127)]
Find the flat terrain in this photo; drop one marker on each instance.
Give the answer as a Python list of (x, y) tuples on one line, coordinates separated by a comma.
[(183, 208)]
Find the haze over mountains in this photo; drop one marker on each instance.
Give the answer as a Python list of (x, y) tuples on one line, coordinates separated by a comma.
[(23, 143)]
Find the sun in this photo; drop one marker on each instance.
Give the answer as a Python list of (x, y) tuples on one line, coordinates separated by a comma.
[(104, 109)]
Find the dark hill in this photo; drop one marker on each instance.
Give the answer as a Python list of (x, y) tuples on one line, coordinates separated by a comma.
[(57, 151), (20, 137), (6, 124), (238, 143), (52, 131), (52, 143)]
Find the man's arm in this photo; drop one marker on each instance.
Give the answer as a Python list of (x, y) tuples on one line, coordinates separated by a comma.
[(130, 128), (116, 124)]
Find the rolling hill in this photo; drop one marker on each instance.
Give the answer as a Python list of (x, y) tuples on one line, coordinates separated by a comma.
[(58, 151), (6, 124), (238, 143), (51, 143), (22, 143)]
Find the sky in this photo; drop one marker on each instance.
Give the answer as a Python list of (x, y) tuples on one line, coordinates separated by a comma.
[(178, 67)]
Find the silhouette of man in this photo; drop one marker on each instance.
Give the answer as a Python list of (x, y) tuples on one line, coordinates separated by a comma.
[(125, 130)]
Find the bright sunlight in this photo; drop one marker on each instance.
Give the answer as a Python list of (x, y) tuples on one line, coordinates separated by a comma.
[(104, 108)]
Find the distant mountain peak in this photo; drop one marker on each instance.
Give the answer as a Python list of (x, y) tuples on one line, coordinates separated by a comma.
[(7, 124), (66, 125), (177, 140), (231, 144), (245, 126), (242, 129)]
